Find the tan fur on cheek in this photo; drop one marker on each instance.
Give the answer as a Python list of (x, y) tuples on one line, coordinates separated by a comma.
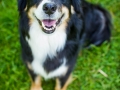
[(31, 14), (65, 19), (65, 11), (25, 8)]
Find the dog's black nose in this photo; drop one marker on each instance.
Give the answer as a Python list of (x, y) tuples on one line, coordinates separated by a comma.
[(49, 8)]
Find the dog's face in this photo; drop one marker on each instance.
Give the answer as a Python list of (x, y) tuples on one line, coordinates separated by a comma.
[(49, 13)]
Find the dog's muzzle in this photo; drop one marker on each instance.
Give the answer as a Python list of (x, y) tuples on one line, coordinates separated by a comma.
[(49, 25)]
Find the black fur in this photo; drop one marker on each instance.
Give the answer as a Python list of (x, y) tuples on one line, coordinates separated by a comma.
[(77, 6), (84, 28), (21, 5), (93, 23)]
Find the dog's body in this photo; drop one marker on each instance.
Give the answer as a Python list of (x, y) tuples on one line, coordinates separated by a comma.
[(53, 31)]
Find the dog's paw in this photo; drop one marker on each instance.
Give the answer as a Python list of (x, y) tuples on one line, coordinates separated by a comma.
[(36, 88)]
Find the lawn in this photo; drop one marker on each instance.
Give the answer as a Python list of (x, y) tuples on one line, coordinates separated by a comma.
[(96, 69)]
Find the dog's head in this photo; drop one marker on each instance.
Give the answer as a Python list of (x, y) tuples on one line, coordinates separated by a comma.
[(49, 13)]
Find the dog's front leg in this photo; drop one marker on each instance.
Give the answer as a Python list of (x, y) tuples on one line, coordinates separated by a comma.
[(36, 83), (63, 82), (36, 79)]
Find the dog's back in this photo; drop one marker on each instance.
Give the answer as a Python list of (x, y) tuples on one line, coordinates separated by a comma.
[(97, 24)]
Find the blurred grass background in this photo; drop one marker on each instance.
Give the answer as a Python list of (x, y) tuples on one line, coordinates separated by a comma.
[(87, 73)]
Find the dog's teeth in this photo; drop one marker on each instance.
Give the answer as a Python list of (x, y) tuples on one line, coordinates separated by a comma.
[(54, 26), (43, 24), (45, 28), (49, 29)]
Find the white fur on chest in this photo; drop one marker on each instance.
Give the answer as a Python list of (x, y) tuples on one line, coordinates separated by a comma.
[(43, 45)]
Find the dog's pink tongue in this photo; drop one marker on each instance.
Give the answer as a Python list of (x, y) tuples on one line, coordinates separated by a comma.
[(49, 23)]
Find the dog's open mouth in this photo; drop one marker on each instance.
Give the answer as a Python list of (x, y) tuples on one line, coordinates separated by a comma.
[(49, 25)]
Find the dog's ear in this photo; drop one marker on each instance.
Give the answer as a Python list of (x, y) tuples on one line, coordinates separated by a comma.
[(77, 4), (22, 5)]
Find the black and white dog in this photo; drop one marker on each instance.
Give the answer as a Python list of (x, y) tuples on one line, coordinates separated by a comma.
[(53, 31)]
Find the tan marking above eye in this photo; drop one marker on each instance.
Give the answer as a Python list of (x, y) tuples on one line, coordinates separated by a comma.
[(72, 10), (25, 8)]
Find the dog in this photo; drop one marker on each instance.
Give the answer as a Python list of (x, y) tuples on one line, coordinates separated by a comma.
[(52, 32)]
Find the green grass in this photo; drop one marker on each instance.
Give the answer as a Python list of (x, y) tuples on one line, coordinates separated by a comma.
[(14, 76)]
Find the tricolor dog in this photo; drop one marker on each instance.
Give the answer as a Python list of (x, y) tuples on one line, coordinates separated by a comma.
[(52, 32)]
